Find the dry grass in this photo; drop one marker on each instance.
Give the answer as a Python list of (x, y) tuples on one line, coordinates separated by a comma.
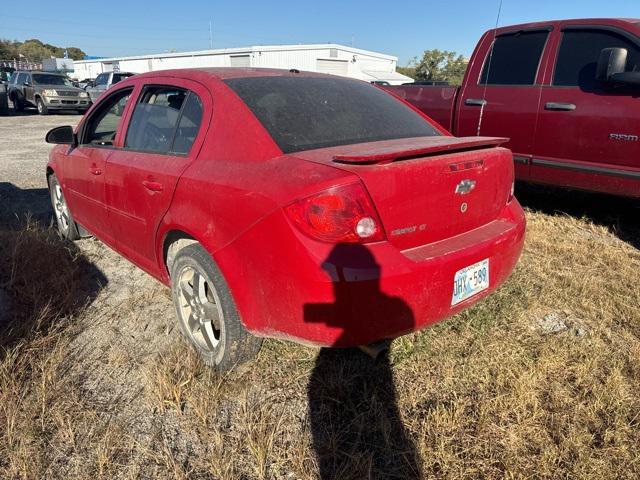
[(487, 394)]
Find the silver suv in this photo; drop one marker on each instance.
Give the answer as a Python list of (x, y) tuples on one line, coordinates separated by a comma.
[(46, 91), (105, 81)]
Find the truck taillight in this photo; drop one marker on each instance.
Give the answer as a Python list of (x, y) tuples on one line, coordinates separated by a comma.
[(339, 214)]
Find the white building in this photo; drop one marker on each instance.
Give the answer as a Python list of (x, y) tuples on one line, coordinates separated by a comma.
[(323, 58)]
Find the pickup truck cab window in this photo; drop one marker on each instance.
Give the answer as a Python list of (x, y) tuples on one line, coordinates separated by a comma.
[(515, 58), (102, 125), (155, 120), (579, 53)]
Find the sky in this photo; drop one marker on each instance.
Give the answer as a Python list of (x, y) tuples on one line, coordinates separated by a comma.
[(405, 28)]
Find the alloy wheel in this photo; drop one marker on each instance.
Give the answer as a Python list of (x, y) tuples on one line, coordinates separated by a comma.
[(61, 209), (200, 309)]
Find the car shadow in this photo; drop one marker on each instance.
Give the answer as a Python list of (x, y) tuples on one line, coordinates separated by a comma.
[(354, 418), (43, 279), (19, 206), (620, 215)]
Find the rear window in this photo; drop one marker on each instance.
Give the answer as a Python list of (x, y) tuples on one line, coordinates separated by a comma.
[(303, 113)]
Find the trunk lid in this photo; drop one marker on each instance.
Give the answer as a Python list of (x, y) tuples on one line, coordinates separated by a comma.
[(428, 189)]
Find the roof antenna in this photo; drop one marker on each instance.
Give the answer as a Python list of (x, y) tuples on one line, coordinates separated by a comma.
[(486, 81)]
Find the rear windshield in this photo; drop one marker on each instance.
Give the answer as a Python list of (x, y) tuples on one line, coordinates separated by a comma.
[(47, 79), (303, 113)]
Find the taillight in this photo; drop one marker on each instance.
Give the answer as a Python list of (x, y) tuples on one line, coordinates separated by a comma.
[(339, 214)]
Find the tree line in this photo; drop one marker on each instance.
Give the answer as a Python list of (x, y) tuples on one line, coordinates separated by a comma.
[(34, 50), (437, 65)]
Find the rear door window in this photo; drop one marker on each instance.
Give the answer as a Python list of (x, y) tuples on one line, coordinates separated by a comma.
[(514, 59), (165, 120), (303, 113), (579, 53)]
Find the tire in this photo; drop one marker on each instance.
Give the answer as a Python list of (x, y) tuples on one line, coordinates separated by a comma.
[(42, 108), (209, 319), (67, 228)]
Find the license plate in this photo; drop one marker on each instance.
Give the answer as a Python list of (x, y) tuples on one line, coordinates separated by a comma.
[(470, 280)]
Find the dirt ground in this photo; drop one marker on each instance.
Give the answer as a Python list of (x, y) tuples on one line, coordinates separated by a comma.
[(540, 380)]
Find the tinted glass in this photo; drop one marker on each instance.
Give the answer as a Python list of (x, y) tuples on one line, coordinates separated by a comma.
[(155, 118), (21, 78), (45, 79), (579, 54), (189, 124), (515, 59), (119, 76), (303, 113), (101, 79), (101, 127)]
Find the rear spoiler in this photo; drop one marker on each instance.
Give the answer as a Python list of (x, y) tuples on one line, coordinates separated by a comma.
[(389, 151)]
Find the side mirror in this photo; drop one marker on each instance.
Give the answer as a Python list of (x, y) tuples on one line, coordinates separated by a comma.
[(27, 84), (62, 136), (612, 61)]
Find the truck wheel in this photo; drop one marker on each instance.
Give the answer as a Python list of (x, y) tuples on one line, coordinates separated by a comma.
[(207, 314), (42, 108), (66, 225)]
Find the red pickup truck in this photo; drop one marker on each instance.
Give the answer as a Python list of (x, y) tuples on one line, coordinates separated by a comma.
[(566, 93)]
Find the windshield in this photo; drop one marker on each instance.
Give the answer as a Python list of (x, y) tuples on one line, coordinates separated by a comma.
[(47, 79), (303, 113)]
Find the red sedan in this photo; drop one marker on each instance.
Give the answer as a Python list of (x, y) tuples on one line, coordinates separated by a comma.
[(284, 204)]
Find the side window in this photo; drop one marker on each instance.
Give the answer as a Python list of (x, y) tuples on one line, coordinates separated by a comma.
[(21, 78), (102, 126), (579, 53), (515, 59), (189, 124), (155, 118), (101, 79)]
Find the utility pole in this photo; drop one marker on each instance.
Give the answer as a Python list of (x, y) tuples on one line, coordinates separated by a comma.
[(210, 36)]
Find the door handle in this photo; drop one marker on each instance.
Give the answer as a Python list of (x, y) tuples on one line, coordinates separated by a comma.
[(568, 107), (95, 170), (152, 186), (478, 102)]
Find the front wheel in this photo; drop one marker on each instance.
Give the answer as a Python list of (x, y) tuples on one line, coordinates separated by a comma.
[(42, 108), (207, 314), (66, 225)]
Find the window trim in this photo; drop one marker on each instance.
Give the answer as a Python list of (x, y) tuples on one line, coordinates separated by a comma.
[(548, 29), (83, 128), (169, 152), (634, 39)]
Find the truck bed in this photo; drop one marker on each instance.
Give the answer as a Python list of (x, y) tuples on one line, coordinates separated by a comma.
[(438, 103)]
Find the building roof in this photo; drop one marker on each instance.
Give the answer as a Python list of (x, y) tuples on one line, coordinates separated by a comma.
[(245, 50)]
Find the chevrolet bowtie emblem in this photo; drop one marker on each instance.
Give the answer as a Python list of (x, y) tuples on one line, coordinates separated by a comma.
[(465, 186)]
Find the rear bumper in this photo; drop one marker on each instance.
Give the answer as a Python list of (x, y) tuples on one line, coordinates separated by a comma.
[(347, 295)]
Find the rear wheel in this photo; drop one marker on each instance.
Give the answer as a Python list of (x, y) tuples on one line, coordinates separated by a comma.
[(207, 314), (66, 225), (42, 108)]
